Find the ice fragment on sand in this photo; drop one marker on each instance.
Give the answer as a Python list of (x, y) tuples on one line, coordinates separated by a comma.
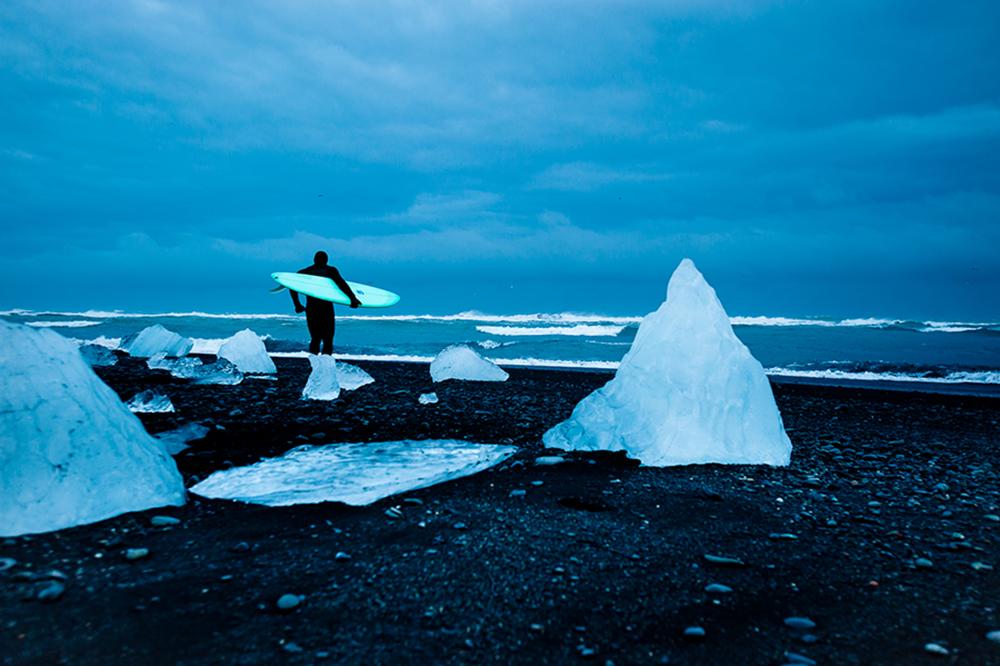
[(149, 402), (688, 391), (220, 372), (176, 440), (96, 355), (154, 340), (462, 362), (427, 398), (70, 452), (246, 351), (355, 474), (351, 377), (182, 368), (322, 383)]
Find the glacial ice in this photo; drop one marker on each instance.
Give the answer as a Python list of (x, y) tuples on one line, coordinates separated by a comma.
[(323, 383), (688, 391), (352, 377), (70, 451), (176, 440), (246, 351), (462, 362), (96, 355), (188, 367), (154, 340), (149, 402), (356, 474), (427, 398)]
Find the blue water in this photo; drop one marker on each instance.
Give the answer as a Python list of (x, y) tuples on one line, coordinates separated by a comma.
[(859, 350)]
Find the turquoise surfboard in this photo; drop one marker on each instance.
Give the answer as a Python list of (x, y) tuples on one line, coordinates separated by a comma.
[(324, 289)]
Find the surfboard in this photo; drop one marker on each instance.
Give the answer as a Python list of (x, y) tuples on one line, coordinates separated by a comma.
[(324, 289)]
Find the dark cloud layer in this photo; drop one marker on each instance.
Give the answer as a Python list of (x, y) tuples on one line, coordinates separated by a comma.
[(812, 157)]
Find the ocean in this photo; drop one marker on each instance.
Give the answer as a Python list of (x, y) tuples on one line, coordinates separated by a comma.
[(900, 354)]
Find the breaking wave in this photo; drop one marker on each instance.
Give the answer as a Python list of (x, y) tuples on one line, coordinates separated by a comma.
[(64, 324), (578, 330)]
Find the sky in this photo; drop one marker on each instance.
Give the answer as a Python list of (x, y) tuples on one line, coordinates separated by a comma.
[(813, 158)]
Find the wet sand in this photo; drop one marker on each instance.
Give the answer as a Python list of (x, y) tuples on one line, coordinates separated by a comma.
[(881, 533)]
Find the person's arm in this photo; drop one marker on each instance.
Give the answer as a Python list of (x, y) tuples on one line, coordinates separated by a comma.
[(344, 287)]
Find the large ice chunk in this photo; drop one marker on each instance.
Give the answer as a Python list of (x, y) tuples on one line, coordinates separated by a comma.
[(355, 474), (322, 383), (149, 402), (246, 351), (462, 362), (688, 391), (154, 340), (70, 451), (352, 377)]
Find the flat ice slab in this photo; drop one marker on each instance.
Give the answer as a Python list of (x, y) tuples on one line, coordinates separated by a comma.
[(70, 452), (688, 391), (356, 474), (462, 362), (176, 440), (154, 340), (246, 351)]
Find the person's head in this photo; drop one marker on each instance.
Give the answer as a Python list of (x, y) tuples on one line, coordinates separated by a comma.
[(320, 259)]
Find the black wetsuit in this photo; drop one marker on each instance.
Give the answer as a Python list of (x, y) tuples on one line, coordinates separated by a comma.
[(319, 313)]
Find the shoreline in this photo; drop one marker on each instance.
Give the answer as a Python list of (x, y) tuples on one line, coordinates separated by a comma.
[(598, 558)]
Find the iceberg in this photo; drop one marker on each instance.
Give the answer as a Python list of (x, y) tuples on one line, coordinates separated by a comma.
[(154, 340), (462, 362), (322, 383), (150, 402), (352, 377), (356, 474), (98, 356), (688, 391), (70, 452), (176, 440), (246, 351)]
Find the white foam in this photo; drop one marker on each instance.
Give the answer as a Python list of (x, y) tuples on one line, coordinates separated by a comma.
[(577, 330), (63, 324), (986, 377), (356, 474)]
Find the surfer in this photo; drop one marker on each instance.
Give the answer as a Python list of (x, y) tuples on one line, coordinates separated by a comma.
[(319, 313)]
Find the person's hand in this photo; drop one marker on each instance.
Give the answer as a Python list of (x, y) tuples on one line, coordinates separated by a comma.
[(299, 309), (355, 304)]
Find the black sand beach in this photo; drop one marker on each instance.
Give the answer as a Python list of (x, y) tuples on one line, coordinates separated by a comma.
[(882, 532)]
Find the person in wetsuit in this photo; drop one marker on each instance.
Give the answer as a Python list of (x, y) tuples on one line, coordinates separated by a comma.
[(319, 313)]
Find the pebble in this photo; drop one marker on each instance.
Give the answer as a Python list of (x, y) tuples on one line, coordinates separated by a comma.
[(287, 602), (341, 556), (782, 536), (292, 647), (993, 636), (799, 623), (718, 588), (394, 513), (538, 627), (982, 566), (796, 658), (992, 516), (923, 563), (459, 526), (934, 648), (518, 492), (51, 591), (133, 554), (694, 632), (164, 521), (240, 547), (537, 483), (549, 460), (722, 560), (413, 501), (7, 563)]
